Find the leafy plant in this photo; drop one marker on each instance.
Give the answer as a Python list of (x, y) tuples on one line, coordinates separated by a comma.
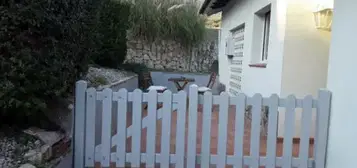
[(214, 21), (109, 32), (135, 67), (42, 51), (98, 80), (139, 69), (46, 45), (176, 20)]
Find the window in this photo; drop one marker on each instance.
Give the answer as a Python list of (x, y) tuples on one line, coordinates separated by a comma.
[(266, 36), (261, 37)]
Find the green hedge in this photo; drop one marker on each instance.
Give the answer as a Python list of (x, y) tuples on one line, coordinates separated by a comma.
[(109, 32), (46, 45), (139, 69)]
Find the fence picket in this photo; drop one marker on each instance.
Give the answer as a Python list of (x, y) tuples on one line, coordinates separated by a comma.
[(86, 153), (289, 131), (255, 130), (144, 122), (323, 117), (79, 125), (222, 130), (121, 127), (206, 130), (272, 130), (151, 129), (282, 103), (90, 127), (106, 127), (181, 127), (305, 131), (239, 130), (136, 124), (166, 130), (192, 126)]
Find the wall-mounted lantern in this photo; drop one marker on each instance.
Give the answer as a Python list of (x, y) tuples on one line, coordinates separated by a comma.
[(323, 18)]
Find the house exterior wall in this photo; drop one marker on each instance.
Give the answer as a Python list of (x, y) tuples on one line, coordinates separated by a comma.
[(306, 52), (254, 80), (342, 82), (298, 52)]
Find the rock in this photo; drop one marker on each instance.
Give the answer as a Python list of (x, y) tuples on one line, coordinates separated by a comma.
[(44, 152), (70, 107), (30, 154), (146, 56), (27, 165), (39, 155), (155, 53), (38, 143), (111, 75), (147, 48), (139, 45), (48, 137), (13, 148)]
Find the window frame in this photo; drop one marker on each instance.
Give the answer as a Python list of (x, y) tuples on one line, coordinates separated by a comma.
[(266, 35), (261, 37)]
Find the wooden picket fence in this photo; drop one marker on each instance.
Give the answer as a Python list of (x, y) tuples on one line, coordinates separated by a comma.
[(112, 148)]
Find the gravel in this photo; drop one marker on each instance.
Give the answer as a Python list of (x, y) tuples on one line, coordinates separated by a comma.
[(110, 75), (13, 148)]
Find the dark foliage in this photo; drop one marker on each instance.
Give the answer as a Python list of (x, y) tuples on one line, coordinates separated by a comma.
[(46, 45), (109, 33), (135, 67), (139, 69)]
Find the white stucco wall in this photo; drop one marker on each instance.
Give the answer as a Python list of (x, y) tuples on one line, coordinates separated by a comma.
[(306, 52), (298, 52), (254, 80), (342, 82)]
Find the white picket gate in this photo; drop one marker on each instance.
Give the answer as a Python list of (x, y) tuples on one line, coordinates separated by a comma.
[(112, 149)]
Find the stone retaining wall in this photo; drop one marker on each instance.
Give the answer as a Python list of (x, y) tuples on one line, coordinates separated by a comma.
[(170, 55)]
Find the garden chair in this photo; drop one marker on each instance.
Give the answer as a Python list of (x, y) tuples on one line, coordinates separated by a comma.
[(212, 80), (149, 85), (203, 89)]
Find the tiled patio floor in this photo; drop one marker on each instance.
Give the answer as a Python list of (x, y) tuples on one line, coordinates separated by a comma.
[(214, 136)]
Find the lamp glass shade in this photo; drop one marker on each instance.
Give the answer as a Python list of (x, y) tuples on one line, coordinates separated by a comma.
[(323, 19)]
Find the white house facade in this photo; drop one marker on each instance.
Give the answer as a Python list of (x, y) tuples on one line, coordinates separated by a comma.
[(271, 47), (342, 82), (341, 76)]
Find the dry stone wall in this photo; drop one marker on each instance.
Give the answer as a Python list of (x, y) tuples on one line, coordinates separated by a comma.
[(170, 55)]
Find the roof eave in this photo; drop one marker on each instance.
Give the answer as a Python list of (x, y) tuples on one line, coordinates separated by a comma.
[(204, 6), (210, 7)]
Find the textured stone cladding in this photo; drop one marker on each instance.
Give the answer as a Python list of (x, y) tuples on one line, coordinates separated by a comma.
[(171, 55)]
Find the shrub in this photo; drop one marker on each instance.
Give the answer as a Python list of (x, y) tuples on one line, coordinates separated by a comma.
[(109, 31), (135, 67), (167, 19), (139, 69), (98, 80), (46, 45)]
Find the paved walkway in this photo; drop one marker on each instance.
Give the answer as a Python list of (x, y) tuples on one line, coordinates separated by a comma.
[(66, 162)]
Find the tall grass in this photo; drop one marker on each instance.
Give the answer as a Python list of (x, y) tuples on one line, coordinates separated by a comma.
[(176, 20)]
